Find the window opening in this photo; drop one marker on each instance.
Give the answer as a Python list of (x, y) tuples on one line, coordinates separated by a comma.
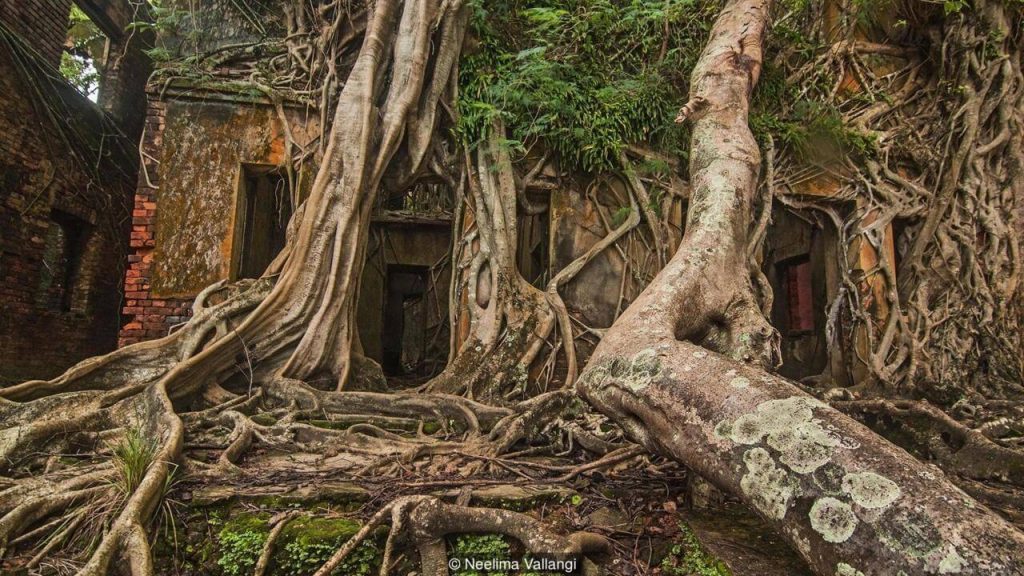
[(85, 54), (64, 246)]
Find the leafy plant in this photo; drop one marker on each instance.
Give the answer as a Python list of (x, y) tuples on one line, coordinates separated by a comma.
[(240, 550), (133, 456), (483, 546), (81, 62), (585, 77)]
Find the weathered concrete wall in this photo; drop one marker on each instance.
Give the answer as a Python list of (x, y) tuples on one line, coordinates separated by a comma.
[(194, 156), (205, 145), (47, 320), (205, 25), (577, 225), (148, 317), (122, 90)]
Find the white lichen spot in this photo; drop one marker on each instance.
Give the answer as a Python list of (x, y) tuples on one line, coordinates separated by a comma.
[(952, 563), (740, 382), (844, 569), (636, 373), (699, 354), (806, 457), (789, 427), (870, 490), (833, 519), (769, 487)]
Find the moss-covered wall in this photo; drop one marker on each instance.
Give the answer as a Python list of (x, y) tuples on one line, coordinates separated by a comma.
[(205, 145)]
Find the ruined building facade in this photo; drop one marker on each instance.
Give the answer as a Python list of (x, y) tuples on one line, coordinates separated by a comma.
[(215, 194), (67, 170)]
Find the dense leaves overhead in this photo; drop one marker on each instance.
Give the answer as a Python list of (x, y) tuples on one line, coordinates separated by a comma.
[(584, 77)]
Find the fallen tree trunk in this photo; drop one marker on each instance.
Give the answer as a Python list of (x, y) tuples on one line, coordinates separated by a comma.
[(685, 371)]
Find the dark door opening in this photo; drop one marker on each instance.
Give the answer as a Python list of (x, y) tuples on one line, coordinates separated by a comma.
[(404, 334), (264, 211), (534, 235)]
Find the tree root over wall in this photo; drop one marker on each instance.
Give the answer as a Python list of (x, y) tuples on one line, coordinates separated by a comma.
[(684, 371)]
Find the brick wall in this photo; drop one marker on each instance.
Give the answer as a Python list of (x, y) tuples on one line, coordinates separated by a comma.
[(149, 316), (43, 22), (49, 320)]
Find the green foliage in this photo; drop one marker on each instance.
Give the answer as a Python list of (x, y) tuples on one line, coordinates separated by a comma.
[(133, 456), (309, 542), (240, 544), (303, 547), (586, 77), (479, 546), (620, 216), (80, 63), (797, 109), (305, 559), (954, 6), (689, 558), (867, 12), (484, 547), (164, 19), (240, 552), (814, 132)]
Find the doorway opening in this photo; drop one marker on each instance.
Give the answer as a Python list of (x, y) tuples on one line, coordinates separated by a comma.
[(264, 210), (532, 253), (404, 334)]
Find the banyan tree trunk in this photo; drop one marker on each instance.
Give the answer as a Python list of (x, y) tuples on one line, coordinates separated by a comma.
[(293, 325), (685, 371)]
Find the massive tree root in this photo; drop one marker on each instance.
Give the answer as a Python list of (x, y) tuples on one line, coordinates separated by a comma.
[(301, 328), (683, 371), (848, 501), (426, 521)]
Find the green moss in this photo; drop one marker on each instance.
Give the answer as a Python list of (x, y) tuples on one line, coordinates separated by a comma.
[(264, 419), (689, 558), (306, 543)]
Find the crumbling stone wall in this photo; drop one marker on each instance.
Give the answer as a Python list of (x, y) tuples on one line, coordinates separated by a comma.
[(148, 316), (50, 319), (43, 22), (184, 233)]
